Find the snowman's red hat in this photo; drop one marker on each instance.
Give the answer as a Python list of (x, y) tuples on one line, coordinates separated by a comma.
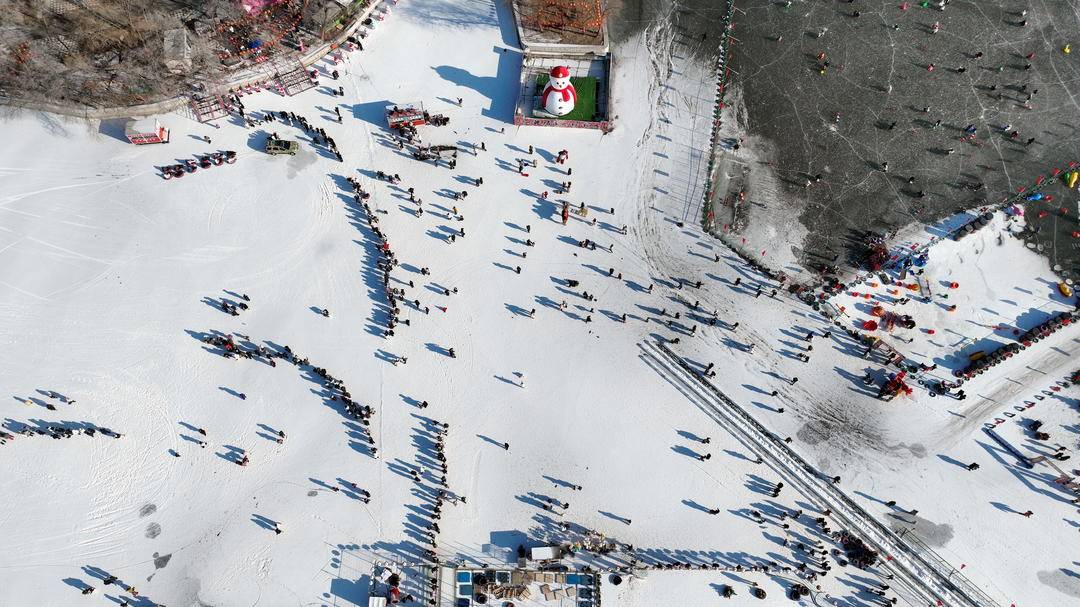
[(560, 71)]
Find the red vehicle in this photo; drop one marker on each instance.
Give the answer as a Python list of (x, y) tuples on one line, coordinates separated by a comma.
[(894, 387), (145, 131), (405, 115)]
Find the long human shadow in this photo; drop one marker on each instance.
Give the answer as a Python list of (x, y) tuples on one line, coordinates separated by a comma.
[(615, 517), (76, 583), (696, 506), (681, 450), (263, 522), (359, 218), (488, 439), (950, 460), (427, 490), (558, 482), (218, 343)]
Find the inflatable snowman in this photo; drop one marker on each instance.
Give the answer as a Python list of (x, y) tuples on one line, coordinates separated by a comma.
[(559, 96)]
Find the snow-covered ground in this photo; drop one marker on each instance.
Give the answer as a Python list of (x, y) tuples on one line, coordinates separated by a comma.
[(1009, 290), (109, 277)]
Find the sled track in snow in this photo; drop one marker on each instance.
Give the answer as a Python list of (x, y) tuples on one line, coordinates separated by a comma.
[(924, 572)]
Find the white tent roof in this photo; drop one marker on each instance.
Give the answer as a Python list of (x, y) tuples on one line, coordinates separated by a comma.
[(542, 553)]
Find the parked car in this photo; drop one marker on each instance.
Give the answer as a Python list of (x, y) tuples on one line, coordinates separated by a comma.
[(281, 146)]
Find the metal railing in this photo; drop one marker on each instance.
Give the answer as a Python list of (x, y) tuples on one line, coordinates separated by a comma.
[(947, 582)]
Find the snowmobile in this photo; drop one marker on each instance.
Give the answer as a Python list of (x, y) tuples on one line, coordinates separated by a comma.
[(190, 166), (205, 162)]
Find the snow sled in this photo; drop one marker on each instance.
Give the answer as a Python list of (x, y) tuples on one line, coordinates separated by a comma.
[(172, 170), (441, 150)]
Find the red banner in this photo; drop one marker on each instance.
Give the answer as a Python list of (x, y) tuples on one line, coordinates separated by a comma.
[(566, 124)]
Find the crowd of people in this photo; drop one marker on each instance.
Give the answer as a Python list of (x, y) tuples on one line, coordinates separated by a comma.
[(335, 389), (13, 428), (810, 552)]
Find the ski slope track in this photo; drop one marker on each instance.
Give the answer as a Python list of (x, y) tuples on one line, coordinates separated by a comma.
[(933, 579)]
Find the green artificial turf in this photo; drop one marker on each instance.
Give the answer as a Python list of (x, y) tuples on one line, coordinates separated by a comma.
[(586, 97)]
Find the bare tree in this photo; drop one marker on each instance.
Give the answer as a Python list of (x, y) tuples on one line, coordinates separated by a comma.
[(103, 52)]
